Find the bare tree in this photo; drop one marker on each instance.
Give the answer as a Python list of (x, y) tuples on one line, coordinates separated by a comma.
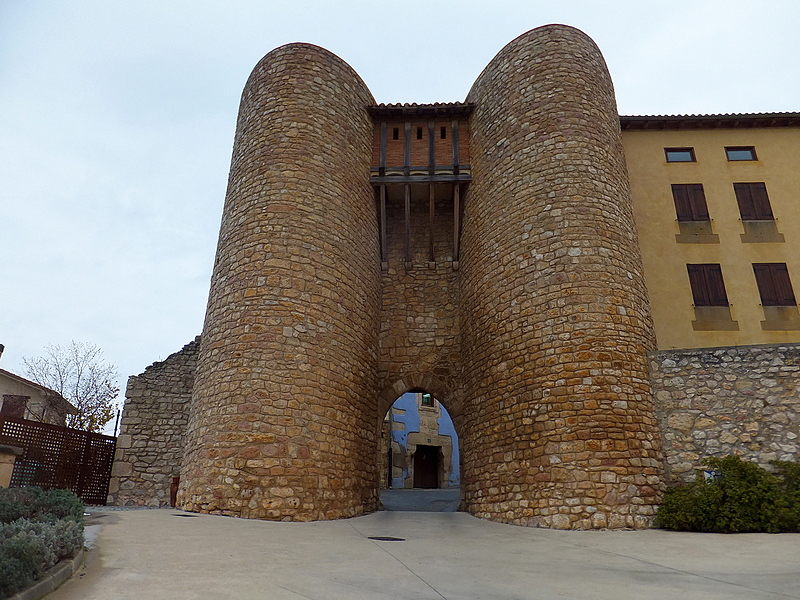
[(80, 374)]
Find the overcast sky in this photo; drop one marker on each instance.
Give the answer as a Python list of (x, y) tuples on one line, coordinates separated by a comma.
[(117, 120)]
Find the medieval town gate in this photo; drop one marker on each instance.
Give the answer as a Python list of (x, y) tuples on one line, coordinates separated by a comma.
[(483, 251)]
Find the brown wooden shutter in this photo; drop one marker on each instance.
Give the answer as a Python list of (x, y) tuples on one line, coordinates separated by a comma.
[(690, 201), (753, 201), (698, 283), (774, 284), (697, 200), (683, 206), (758, 191), (708, 287), (14, 406), (745, 201)]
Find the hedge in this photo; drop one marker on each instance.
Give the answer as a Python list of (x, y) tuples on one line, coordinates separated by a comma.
[(738, 497), (37, 529)]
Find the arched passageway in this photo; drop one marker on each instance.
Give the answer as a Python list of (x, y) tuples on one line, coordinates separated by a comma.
[(418, 444)]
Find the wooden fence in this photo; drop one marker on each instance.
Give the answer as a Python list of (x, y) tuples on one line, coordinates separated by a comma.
[(60, 458)]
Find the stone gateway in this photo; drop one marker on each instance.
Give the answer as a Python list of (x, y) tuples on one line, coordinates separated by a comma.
[(482, 251)]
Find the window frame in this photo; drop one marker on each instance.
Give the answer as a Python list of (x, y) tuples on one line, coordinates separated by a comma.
[(707, 284), (751, 149), (14, 406), (689, 149), (774, 284)]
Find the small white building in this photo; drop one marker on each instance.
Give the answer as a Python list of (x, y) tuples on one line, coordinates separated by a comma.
[(25, 399)]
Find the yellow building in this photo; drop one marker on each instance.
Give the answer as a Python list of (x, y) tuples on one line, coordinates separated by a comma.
[(717, 205)]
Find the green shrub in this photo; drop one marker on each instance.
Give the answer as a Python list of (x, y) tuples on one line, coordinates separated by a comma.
[(742, 497), (35, 503), (61, 504), (17, 503), (37, 529), (29, 548), (787, 517)]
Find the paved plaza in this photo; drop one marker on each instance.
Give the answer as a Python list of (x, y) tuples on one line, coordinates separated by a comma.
[(172, 555)]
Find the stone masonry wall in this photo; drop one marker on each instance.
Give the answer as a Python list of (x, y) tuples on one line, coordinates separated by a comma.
[(537, 346), (284, 421), (560, 430), (719, 401), (151, 440), (419, 336)]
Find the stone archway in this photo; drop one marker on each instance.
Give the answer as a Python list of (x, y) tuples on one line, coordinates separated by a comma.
[(490, 249), (415, 419)]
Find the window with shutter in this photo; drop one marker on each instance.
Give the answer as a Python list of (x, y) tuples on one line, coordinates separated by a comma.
[(753, 201), (14, 406), (774, 284), (708, 287), (690, 202)]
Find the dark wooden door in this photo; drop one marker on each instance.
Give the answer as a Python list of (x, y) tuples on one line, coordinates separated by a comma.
[(426, 467)]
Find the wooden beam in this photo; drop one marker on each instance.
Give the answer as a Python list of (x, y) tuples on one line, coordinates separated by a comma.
[(456, 220), (384, 255), (383, 146), (431, 147), (407, 148), (431, 202), (408, 225), (456, 157), (390, 179)]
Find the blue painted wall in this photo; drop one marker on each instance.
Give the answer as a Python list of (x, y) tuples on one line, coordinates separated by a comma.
[(446, 427), (408, 403)]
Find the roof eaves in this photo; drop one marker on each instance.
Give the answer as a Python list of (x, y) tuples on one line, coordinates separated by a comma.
[(718, 121)]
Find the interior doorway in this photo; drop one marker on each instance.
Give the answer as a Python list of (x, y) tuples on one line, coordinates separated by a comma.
[(426, 467), (418, 445)]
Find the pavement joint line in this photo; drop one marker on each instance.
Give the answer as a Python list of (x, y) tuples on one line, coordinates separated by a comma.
[(409, 569), (299, 595)]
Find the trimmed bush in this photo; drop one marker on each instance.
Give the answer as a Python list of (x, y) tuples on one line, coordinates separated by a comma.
[(741, 497), (37, 529), (36, 503)]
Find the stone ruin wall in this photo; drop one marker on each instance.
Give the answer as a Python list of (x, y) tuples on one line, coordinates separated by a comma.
[(717, 401), (151, 440), (709, 402)]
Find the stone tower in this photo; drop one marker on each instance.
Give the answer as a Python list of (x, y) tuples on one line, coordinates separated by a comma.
[(484, 252)]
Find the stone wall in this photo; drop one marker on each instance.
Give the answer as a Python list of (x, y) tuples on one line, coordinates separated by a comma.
[(419, 336), (559, 429), (537, 348), (717, 401), (151, 440), (284, 422)]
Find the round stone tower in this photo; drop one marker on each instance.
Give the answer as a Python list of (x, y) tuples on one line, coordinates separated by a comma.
[(283, 413), (560, 427)]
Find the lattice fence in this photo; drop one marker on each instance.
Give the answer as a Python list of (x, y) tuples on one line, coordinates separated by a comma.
[(59, 457)]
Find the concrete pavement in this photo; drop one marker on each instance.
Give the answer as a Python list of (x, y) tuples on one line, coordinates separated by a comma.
[(419, 500), (167, 554)]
